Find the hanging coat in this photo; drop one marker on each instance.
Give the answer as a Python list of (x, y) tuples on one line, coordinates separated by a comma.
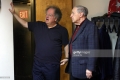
[(105, 63), (116, 69)]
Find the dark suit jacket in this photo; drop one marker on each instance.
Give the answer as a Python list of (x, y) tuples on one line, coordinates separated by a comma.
[(85, 39)]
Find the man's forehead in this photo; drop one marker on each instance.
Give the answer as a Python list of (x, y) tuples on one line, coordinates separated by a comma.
[(52, 9), (74, 8)]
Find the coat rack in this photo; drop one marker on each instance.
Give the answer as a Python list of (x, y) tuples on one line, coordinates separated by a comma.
[(109, 20)]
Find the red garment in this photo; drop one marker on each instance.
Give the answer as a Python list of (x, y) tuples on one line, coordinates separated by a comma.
[(114, 6)]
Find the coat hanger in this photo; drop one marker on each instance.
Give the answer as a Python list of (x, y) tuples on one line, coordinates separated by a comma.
[(114, 27), (103, 20), (118, 28), (109, 28)]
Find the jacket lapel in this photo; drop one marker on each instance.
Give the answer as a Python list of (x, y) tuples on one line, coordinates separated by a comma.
[(81, 29)]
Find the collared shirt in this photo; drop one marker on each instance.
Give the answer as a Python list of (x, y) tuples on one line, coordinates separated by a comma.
[(75, 32)]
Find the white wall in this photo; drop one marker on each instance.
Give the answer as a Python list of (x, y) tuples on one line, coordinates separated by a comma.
[(97, 8), (6, 42)]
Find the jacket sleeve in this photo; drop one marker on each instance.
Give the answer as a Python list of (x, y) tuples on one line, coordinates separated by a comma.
[(92, 46)]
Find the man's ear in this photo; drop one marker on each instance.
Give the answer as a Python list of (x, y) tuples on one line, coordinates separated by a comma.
[(56, 19), (81, 14)]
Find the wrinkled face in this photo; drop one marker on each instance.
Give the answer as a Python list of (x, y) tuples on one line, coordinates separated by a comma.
[(75, 16), (50, 16)]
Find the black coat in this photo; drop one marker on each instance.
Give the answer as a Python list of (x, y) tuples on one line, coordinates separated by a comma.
[(105, 63), (116, 75)]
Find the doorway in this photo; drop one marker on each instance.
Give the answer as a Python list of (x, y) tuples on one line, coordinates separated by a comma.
[(23, 40)]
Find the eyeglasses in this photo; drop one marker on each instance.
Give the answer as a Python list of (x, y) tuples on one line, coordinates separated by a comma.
[(50, 15)]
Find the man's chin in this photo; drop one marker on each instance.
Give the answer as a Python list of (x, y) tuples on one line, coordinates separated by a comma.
[(46, 22), (73, 21)]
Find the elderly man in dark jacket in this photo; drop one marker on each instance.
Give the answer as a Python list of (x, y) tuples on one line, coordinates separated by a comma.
[(85, 37)]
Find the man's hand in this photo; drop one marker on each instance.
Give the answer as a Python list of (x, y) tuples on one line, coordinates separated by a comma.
[(62, 62), (88, 74), (21, 21), (13, 9)]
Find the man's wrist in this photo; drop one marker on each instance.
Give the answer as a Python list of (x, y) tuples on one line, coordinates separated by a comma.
[(66, 58)]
